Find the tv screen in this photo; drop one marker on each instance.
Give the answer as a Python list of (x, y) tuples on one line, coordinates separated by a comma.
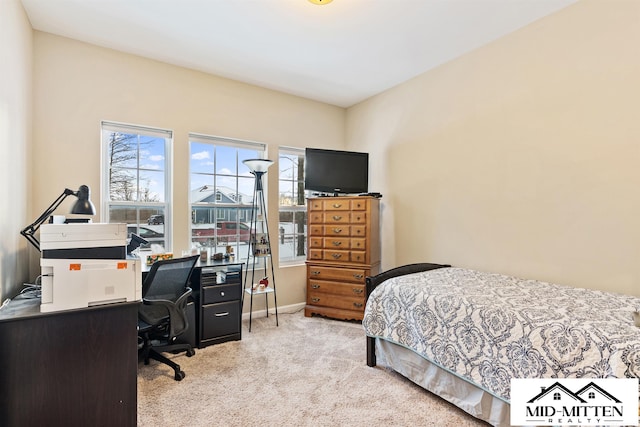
[(332, 171)]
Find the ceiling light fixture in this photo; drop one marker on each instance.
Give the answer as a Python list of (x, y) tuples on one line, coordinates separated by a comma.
[(320, 1)]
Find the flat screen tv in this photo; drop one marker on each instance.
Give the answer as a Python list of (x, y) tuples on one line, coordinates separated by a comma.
[(336, 172)]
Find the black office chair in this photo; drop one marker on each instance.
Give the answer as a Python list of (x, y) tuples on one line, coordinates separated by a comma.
[(163, 313)]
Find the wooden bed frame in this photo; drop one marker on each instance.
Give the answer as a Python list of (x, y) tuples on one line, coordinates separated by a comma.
[(373, 281)]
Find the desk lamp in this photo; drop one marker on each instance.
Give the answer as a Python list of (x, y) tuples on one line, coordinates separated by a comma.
[(82, 206)]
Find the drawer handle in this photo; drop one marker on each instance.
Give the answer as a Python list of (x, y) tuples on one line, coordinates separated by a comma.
[(336, 256), (337, 205), (315, 286), (336, 243), (226, 313), (221, 294), (337, 217), (315, 273), (315, 299), (357, 291), (358, 276), (337, 230), (357, 304)]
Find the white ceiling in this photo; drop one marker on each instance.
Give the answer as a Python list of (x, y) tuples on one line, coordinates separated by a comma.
[(339, 53)]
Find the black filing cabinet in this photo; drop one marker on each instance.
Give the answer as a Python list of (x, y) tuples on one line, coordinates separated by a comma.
[(219, 303)]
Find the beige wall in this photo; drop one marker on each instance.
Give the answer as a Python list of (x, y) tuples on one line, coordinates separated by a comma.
[(15, 135), (77, 85), (521, 157)]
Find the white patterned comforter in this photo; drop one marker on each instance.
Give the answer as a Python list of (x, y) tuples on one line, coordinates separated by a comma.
[(488, 328)]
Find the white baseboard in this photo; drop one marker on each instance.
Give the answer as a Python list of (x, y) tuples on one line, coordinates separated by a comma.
[(281, 310)]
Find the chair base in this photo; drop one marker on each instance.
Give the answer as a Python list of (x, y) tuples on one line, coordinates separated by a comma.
[(151, 352)]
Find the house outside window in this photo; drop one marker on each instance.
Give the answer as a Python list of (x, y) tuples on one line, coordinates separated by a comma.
[(292, 227), (136, 180), (221, 192)]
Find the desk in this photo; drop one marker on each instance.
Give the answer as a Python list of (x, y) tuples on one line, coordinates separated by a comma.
[(68, 368)]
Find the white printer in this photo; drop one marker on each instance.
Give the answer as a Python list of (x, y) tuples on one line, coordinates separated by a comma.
[(85, 264)]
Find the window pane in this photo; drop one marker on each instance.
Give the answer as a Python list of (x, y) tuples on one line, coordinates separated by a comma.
[(292, 206), (221, 193), (136, 167)]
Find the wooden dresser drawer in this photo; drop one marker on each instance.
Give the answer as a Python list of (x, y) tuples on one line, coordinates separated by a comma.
[(336, 243), (358, 205), (358, 230), (315, 254), (352, 275), (359, 244), (336, 255), (316, 230), (357, 256), (358, 217), (336, 288), (337, 218), (336, 205), (316, 204), (316, 217), (336, 301), (337, 230), (316, 242)]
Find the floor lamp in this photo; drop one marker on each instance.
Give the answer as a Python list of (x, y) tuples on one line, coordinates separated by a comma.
[(259, 243)]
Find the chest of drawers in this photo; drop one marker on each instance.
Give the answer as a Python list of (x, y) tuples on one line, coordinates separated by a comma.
[(343, 249)]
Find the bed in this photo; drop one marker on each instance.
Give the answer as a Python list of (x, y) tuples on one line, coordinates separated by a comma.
[(463, 334)]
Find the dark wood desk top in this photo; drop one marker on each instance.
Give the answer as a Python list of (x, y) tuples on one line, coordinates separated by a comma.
[(30, 307)]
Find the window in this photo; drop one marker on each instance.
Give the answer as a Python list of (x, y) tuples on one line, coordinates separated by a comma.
[(221, 192), (556, 396), (136, 180), (292, 228)]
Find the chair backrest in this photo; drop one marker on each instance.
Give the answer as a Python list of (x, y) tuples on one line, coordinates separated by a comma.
[(165, 291)]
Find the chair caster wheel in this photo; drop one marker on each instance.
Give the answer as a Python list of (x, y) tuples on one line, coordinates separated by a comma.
[(179, 375), (190, 352)]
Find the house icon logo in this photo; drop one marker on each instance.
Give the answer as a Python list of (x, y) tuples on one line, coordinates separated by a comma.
[(569, 401)]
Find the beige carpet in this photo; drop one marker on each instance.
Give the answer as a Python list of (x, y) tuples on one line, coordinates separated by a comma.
[(306, 372)]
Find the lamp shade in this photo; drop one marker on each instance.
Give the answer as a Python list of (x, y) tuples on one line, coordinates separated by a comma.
[(83, 206), (258, 165)]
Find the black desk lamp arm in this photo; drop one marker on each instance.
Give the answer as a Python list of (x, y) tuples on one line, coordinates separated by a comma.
[(29, 231)]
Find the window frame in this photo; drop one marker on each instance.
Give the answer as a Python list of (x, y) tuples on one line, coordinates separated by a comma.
[(294, 209), (221, 214), (161, 207)]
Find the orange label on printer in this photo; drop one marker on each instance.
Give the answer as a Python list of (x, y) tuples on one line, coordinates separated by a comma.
[(122, 265), (73, 267)]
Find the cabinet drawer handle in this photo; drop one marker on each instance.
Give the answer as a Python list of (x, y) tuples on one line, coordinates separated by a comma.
[(337, 217), (315, 299), (336, 256), (315, 273), (337, 205), (357, 304), (358, 276), (226, 313), (336, 243), (221, 294), (357, 291), (315, 286), (337, 230)]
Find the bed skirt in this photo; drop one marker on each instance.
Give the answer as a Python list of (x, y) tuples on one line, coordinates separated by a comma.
[(468, 397)]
